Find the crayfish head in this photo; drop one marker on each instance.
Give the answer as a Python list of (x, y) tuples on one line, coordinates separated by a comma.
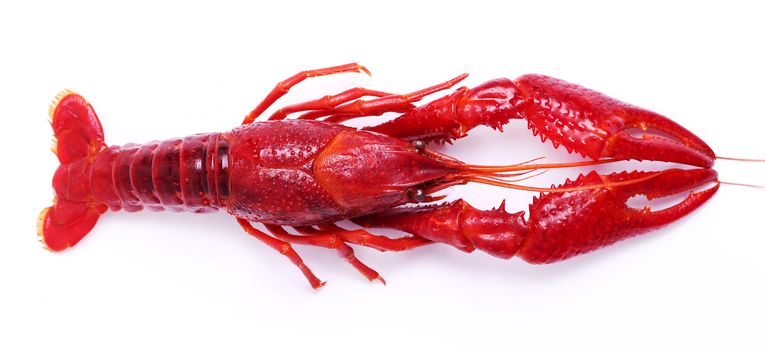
[(365, 172)]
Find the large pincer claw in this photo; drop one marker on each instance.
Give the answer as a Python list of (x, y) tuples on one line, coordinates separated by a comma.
[(565, 224), (600, 127)]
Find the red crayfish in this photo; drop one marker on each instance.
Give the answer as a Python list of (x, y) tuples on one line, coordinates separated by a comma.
[(311, 171)]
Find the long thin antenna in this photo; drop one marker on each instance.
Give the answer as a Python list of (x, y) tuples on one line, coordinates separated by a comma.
[(742, 185), (526, 166), (502, 177), (750, 160), (458, 165), (562, 189), (743, 159)]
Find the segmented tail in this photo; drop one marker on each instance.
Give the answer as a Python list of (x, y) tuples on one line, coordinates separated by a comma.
[(78, 137)]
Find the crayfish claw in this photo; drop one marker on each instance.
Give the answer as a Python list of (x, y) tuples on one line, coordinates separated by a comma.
[(565, 224), (595, 125)]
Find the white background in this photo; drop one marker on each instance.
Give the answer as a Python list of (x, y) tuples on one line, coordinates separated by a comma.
[(155, 71)]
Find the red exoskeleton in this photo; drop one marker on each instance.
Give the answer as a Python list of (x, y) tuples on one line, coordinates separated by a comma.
[(311, 171)]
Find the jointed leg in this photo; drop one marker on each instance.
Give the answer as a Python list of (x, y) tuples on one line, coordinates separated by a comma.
[(378, 106), (284, 248), (326, 103), (283, 87), (363, 238), (330, 241)]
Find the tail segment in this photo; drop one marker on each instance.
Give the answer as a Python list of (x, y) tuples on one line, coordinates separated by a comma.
[(78, 137)]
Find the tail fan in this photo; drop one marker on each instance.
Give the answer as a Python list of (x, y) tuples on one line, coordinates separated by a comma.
[(78, 138)]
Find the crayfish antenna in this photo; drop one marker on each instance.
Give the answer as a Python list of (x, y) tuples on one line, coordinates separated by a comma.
[(561, 189), (759, 187), (748, 160), (522, 166), (743, 159), (497, 175), (527, 166)]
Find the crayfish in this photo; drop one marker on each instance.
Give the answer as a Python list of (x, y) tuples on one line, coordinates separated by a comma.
[(311, 171)]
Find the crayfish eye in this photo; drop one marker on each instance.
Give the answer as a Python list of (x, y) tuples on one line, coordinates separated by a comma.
[(416, 195), (418, 145)]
